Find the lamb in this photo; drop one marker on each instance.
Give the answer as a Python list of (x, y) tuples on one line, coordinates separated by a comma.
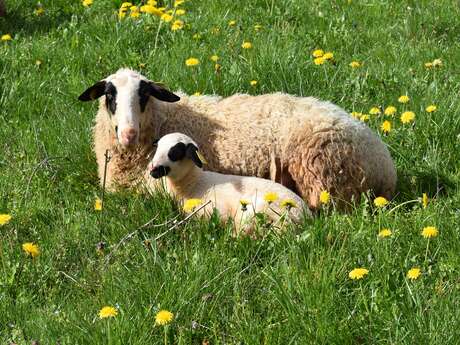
[(178, 160), (305, 144)]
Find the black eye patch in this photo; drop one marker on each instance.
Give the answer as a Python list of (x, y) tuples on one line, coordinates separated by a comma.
[(144, 94), (177, 152), (111, 97)]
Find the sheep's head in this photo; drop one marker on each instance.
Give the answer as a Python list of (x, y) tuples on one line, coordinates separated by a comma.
[(126, 94), (175, 155)]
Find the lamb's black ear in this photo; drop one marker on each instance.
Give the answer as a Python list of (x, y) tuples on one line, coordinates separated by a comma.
[(93, 92), (155, 90), (193, 153)]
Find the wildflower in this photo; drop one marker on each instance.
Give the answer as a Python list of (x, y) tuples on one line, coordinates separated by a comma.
[(152, 2), (318, 53), (6, 38), (431, 108), (192, 62), (253, 82), (403, 99), (39, 10), (151, 10), (319, 61), (98, 204), (365, 117), (180, 12), (107, 311), (191, 204), (198, 93), (178, 2), (166, 17), (196, 36), (4, 219), (324, 197), (358, 273), (123, 5), (31, 249), (356, 114), (257, 27), (244, 203), (134, 12), (177, 25), (430, 231), (425, 200), (163, 317), (414, 273), (87, 3), (328, 56), (428, 64), (217, 67), (374, 111), (407, 117), (246, 45), (270, 197), (390, 110), (384, 233), (214, 58), (122, 12), (355, 64), (380, 201), (232, 23), (386, 127), (437, 62), (288, 203)]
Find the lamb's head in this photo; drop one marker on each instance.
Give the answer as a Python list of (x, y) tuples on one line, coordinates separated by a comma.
[(175, 156), (126, 94)]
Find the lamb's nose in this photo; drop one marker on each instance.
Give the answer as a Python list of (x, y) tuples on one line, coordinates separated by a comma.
[(159, 171), (128, 136)]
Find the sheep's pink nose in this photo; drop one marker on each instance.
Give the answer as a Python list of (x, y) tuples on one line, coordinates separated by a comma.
[(128, 136)]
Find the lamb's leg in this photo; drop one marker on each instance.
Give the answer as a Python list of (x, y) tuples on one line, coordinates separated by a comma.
[(2, 8)]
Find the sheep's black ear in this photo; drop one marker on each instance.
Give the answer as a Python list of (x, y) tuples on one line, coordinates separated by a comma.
[(193, 153), (95, 91), (177, 152), (151, 89)]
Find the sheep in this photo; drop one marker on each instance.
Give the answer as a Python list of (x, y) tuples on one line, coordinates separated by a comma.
[(303, 143), (178, 162)]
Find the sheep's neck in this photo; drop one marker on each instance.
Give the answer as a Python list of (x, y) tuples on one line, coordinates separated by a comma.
[(184, 188)]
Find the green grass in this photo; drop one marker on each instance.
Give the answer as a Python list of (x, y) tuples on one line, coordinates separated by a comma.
[(292, 289)]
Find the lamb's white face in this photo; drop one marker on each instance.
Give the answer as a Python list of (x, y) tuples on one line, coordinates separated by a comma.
[(126, 94), (174, 157)]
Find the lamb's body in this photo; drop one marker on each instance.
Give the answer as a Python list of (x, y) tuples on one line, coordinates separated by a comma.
[(303, 143)]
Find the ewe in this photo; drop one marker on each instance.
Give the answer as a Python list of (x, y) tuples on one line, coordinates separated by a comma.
[(301, 142), (178, 159)]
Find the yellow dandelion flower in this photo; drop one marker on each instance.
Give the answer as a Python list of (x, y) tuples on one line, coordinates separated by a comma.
[(380, 201), (191, 204), (407, 117), (198, 93), (428, 64), (152, 2), (390, 110), (31, 249), (217, 67), (192, 62), (87, 3), (151, 10), (178, 2), (414, 273), (374, 111), (123, 5), (39, 11), (355, 64), (319, 61), (324, 197), (386, 127), (134, 12), (232, 23), (431, 108), (358, 273), (328, 56), (318, 53), (365, 117), (356, 114), (107, 311), (4, 219), (384, 233), (163, 317), (253, 82), (6, 38), (270, 197), (180, 12), (257, 27), (425, 200), (244, 202), (214, 58), (166, 17), (246, 45), (430, 231), (177, 25), (437, 62), (288, 203), (403, 99)]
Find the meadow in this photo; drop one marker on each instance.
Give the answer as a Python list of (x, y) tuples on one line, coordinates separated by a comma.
[(290, 289)]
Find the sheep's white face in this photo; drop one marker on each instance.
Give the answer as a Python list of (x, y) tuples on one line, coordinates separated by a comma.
[(174, 157), (126, 96)]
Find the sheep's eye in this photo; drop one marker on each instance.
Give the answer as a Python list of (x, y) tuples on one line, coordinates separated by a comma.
[(155, 142)]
